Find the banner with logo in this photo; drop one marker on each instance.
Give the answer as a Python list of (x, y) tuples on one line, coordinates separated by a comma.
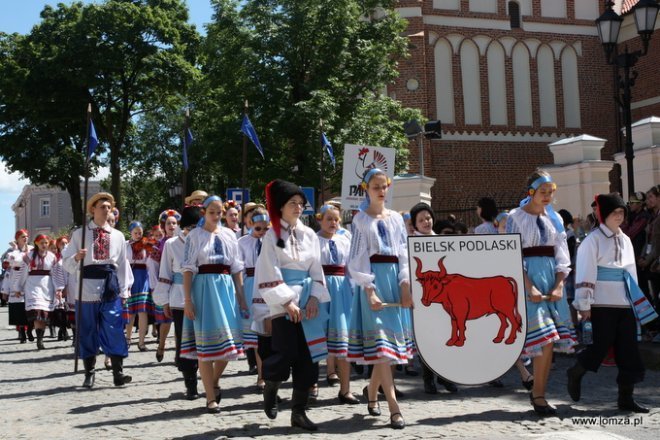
[(358, 160)]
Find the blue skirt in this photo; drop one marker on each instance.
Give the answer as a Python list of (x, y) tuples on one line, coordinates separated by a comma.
[(215, 334), (384, 336), (250, 338), (547, 322), (339, 309), (140, 300)]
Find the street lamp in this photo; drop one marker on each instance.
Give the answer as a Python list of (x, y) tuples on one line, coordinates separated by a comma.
[(431, 130), (609, 25), (176, 191)]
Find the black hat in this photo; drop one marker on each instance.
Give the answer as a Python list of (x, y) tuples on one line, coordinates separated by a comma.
[(566, 216), (278, 192), (190, 216), (638, 197), (607, 203), (421, 206)]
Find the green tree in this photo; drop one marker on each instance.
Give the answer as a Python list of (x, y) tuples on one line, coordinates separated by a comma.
[(298, 62), (126, 57)]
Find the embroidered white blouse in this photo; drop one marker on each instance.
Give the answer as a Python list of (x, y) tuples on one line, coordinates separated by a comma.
[(114, 253), (218, 247), (525, 224), (171, 260), (343, 245), (604, 248), (371, 236), (40, 290)]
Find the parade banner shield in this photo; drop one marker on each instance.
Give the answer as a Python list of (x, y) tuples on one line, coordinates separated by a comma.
[(470, 318), (358, 160)]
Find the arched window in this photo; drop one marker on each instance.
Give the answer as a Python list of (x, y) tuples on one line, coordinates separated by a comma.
[(514, 14)]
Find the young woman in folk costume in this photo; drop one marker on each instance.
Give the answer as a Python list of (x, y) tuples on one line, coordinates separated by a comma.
[(232, 216), (250, 247), (59, 318), (40, 289), (378, 264), (168, 293), (212, 325), (16, 298), (546, 264), (140, 302), (335, 249), (169, 222), (290, 281)]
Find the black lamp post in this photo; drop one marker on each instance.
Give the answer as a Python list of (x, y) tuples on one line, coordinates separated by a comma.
[(609, 25), (431, 130)]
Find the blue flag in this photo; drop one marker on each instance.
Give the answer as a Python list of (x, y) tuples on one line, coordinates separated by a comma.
[(248, 130), (328, 147), (93, 140), (186, 143)]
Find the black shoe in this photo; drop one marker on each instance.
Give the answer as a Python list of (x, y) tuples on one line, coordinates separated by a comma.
[(358, 368), (398, 394), (214, 409), (626, 402), (332, 379), (65, 334), (542, 410), (313, 393), (348, 398), (119, 377), (218, 394), (59, 335), (496, 383), (574, 384), (190, 380), (159, 355), (22, 336), (410, 371), (398, 424), (30, 336), (270, 398), (253, 370), (301, 420), (429, 386), (529, 383), (449, 386), (90, 372), (373, 410)]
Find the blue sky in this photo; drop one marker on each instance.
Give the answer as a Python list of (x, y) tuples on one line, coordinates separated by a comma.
[(21, 16)]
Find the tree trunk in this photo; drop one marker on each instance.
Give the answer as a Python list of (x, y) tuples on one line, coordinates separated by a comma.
[(73, 188), (115, 187)]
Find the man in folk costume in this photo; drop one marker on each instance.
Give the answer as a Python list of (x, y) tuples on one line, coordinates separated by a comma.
[(107, 280), (289, 277)]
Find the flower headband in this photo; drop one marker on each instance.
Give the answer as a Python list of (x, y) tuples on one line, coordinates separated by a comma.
[(232, 204), (169, 213)]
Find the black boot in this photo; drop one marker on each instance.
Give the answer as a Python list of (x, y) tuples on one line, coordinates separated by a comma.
[(626, 401), (298, 416), (117, 371), (22, 336), (89, 363), (40, 339), (574, 385), (429, 380), (73, 336), (270, 398), (190, 380), (59, 335), (51, 328), (65, 334), (29, 334)]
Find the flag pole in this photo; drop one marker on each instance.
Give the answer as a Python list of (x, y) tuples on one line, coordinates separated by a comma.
[(82, 240), (322, 195), (184, 175), (244, 173)]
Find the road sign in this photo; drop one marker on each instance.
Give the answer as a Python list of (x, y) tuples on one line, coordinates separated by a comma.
[(309, 195), (236, 194)]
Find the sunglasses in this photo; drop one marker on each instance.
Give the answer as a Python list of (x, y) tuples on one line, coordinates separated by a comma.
[(259, 228)]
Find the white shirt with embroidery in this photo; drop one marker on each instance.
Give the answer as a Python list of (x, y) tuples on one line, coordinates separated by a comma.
[(218, 247), (604, 248), (40, 290), (171, 260), (372, 236), (12, 276), (116, 255), (520, 221), (343, 245), (301, 252)]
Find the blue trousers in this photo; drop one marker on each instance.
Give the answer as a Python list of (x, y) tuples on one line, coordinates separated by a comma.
[(100, 324)]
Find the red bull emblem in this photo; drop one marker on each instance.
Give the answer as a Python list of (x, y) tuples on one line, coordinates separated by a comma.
[(465, 298)]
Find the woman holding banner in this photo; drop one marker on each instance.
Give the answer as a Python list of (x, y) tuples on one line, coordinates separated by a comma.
[(378, 264), (546, 264)]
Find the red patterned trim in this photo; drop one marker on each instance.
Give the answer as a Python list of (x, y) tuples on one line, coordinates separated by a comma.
[(164, 281), (270, 284)]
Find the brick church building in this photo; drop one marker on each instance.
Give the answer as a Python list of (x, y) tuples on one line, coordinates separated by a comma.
[(507, 78)]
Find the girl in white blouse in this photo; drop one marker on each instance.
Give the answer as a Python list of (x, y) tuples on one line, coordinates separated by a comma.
[(212, 328), (378, 264)]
